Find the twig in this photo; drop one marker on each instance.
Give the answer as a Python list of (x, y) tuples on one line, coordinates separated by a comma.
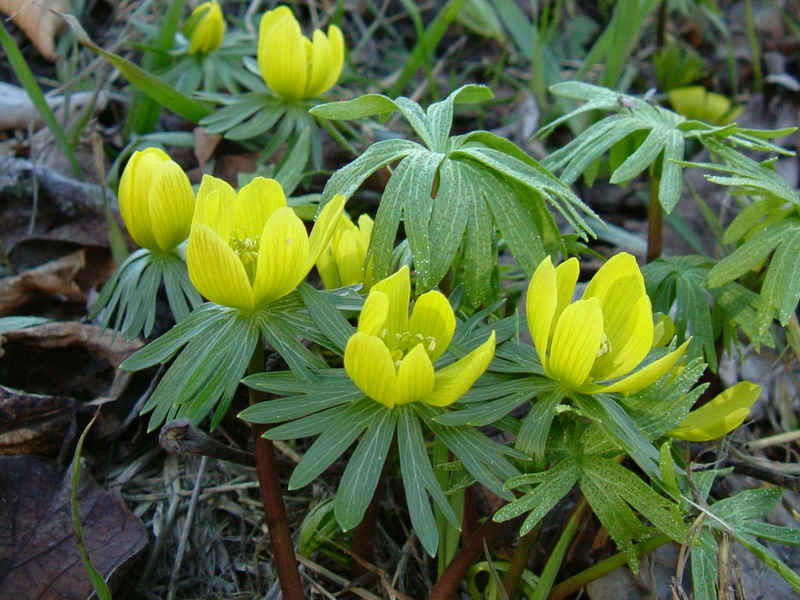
[(181, 437), (187, 526)]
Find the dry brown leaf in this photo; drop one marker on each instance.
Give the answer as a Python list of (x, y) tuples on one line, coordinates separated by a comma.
[(46, 372), (204, 145), (55, 278), (37, 543), (37, 19)]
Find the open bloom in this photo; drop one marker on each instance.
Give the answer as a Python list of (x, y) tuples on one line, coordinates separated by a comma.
[(721, 415), (391, 356), (155, 200), (589, 345), (293, 66), (205, 28), (696, 102), (342, 262), (248, 249)]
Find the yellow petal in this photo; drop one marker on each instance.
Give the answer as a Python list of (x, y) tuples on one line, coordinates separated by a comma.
[(576, 342), (454, 380), (171, 205), (630, 345), (433, 317), (336, 58), (255, 203), (282, 57), (374, 313), (134, 195), (282, 256), (370, 366), (349, 259), (326, 267), (720, 416), (648, 374), (216, 271), (398, 289), (566, 278), (540, 306), (415, 377), (215, 205), (209, 31), (324, 228), (320, 65)]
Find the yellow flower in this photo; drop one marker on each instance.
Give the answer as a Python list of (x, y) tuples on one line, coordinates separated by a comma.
[(155, 200), (599, 338), (342, 262), (205, 28), (391, 356), (696, 102), (721, 415), (293, 66), (248, 249)]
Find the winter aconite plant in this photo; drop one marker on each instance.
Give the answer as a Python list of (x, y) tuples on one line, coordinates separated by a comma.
[(449, 346)]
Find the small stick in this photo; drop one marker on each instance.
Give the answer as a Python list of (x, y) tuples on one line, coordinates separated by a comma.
[(179, 436)]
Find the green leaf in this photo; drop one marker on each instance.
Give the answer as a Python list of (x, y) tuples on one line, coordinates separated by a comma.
[(704, 566), (367, 105), (418, 477), (362, 474), (555, 484), (448, 218), (279, 334), (746, 505), (532, 437), (156, 89), (15, 323), (342, 427), (329, 320)]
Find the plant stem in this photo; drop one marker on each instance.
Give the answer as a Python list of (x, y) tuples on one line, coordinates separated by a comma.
[(755, 48), (519, 560), (655, 223), (470, 552), (576, 582), (553, 565), (274, 511)]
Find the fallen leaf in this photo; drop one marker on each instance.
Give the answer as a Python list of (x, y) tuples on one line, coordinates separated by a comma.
[(204, 145), (55, 278), (18, 112), (39, 21), (38, 550), (49, 372)]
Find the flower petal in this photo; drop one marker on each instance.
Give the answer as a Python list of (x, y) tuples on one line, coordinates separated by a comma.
[(349, 258), (648, 374), (566, 278), (576, 342), (215, 205), (336, 59), (415, 377), (282, 256), (540, 306), (398, 288), (720, 416), (454, 380), (433, 317), (320, 66), (374, 313), (255, 203), (324, 228), (171, 205), (370, 366), (282, 54), (631, 344), (216, 271), (134, 192)]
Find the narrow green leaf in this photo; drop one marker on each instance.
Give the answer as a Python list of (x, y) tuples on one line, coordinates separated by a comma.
[(704, 566), (329, 320), (532, 437), (367, 105), (15, 323)]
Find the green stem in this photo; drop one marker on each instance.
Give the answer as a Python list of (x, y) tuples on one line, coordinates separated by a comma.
[(755, 49), (655, 223), (519, 560), (553, 565), (274, 510), (576, 582)]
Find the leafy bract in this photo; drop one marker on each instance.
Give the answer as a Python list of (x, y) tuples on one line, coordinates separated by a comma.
[(660, 138), (451, 193)]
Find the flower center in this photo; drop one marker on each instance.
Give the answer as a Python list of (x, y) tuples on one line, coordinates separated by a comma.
[(406, 341), (605, 346), (246, 248)]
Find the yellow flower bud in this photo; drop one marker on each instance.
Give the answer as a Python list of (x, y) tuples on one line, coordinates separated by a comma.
[(390, 358), (248, 249), (696, 102), (293, 66), (342, 262), (603, 336), (720, 416), (155, 200), (205, 28)]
